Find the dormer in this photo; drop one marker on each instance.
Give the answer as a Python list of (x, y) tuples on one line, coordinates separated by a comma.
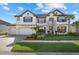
[(56, 12), (26, 13)]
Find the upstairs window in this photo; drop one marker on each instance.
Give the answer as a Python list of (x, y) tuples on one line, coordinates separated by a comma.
[(61, 19), (27, 19), (51, 20), (41, 20)]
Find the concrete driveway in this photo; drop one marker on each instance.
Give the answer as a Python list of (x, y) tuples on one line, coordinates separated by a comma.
[(5, 43)]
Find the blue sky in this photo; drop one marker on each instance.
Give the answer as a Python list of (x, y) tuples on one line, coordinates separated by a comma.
[(8, 10)]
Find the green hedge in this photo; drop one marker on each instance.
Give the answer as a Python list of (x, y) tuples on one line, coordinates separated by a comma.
[(3, 33)]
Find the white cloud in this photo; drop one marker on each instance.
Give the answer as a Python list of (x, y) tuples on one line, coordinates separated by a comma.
[(6, 8), (20, 8), (50, 6), (74, 12), (39, 6), (65, 7), (76, 16), (45, 10), (57, 5)]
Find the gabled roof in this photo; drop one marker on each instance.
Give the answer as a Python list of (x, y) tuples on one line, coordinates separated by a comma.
[(58, 11), (24, 13), (42, 15), (4, 23)]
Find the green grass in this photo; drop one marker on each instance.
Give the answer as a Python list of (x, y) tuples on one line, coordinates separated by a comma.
[(21, 48), (45, 47), (62, 37)]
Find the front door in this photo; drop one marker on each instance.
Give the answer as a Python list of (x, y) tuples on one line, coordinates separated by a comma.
[(51, 24), (51, 29)]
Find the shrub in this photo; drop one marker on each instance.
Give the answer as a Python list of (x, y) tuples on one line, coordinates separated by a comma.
[(39, 36), (74, 34), (34, 36), (41, 31), (3, 33)]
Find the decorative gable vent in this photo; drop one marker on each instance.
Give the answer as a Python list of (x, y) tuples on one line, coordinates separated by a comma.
[(27, 13), (57, 12)]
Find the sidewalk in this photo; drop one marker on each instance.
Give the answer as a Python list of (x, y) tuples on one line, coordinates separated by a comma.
[(2, 36), (61, 41), (38, 53)]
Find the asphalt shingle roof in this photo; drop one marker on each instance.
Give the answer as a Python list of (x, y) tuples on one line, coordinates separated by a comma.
[(5, 23)]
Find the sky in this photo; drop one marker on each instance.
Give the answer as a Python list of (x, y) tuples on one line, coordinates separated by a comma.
[(8, 10)]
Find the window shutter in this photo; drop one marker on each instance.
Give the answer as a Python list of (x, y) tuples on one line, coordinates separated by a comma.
[(23, 19), (31, 19), (44, 20), (18, 18), (57, 18)]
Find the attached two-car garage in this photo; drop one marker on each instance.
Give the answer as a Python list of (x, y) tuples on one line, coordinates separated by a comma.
[(22, 31)]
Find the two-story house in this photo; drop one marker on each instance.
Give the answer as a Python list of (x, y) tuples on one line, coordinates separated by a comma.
[(54, 22)]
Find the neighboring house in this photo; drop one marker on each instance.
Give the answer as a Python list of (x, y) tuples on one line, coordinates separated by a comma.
[(4, 26), (72, 28), (54, 22)]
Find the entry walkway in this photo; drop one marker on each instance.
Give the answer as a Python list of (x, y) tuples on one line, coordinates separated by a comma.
[(61, 41)]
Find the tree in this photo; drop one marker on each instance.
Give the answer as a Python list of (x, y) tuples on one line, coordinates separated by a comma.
[(69, 17), (76, 23)]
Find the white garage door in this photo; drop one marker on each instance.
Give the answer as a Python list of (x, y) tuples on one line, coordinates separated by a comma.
[(23, 31)]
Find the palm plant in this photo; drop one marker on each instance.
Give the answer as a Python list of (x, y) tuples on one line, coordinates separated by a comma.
[(36, 28), (69, 17)]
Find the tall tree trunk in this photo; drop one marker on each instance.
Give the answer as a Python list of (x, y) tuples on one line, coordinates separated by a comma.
[(68, 26)]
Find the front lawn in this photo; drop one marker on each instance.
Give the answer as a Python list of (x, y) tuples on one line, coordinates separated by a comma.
[(62, 37), (45, 47)]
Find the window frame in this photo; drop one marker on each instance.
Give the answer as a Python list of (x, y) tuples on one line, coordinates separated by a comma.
[(61, 29), (51, 20), (60, 19), (27, 19), (41, 20), (18, 18)]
